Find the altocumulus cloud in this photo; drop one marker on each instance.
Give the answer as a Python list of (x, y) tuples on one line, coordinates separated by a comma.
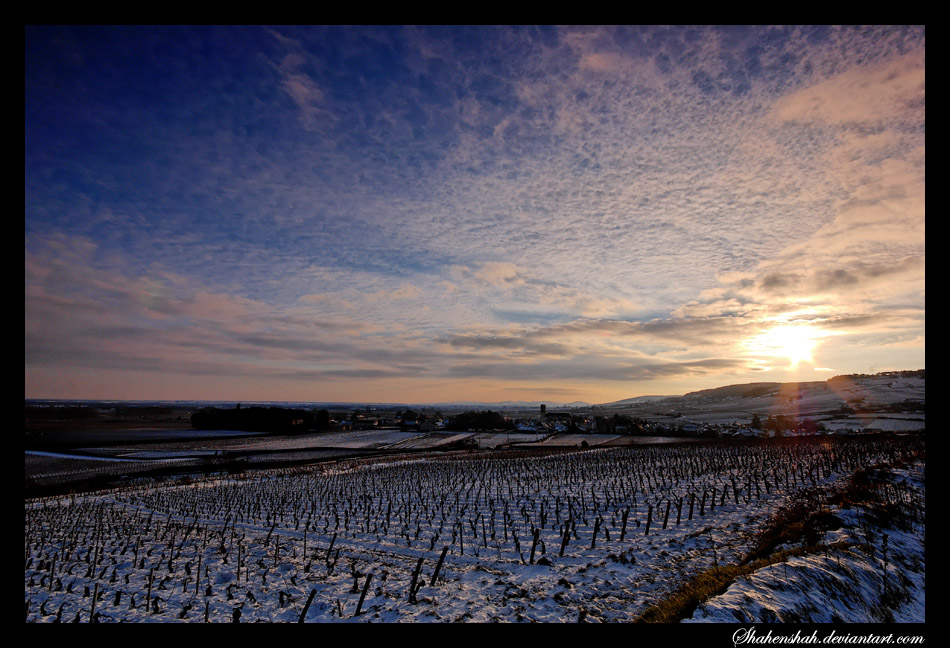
[(329, 208)]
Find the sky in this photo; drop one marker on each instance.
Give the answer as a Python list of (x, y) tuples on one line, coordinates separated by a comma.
[(430, 214)]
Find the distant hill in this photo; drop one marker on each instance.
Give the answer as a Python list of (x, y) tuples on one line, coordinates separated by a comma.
[(508, 405), (752, 390), (884, 380), (637, 400), (895, 392)]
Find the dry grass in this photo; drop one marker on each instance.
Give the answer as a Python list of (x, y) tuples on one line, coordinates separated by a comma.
[(684, 601), (803, 520)]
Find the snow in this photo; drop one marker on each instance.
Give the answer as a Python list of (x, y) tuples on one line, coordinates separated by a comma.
[(845, 583), (499, 439), (896, 425), (355, 440), (324, 529), (65, 455), (576, 440)]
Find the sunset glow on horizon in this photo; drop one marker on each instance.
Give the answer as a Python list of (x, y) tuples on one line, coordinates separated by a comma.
[(433, 214), (794, 343)]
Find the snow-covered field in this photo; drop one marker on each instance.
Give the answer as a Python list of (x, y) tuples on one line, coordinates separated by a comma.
[(384, 440), (595, 536), (868, 573), (356, 440), (577, 439)]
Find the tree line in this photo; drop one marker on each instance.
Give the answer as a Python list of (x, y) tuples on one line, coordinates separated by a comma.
[(260, 419)]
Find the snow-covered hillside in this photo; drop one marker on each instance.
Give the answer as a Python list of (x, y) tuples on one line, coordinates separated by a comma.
[(870, 570)]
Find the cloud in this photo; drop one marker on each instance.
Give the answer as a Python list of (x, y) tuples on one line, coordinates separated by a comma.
[(516, 344), (683, 331), (330, 203), (864, 129), (314, 109), (496, 273), (150, 322), (595, 370), (402, 292), (876, 94), (326, 299), (601, 62)]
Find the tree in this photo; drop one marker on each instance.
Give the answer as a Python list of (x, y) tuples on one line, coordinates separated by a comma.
[(255, 419), (486, 420)]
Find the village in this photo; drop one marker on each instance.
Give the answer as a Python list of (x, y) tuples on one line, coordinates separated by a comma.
[(888, 402), (670, 424)]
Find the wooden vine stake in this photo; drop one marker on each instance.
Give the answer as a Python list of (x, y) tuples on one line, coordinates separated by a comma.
[(438, 565), (92, 611), (148, 597), (534, 544), (359, 606), (307, 606), (415, 578)]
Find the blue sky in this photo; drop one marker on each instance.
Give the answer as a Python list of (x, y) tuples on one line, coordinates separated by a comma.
[(423, 214)]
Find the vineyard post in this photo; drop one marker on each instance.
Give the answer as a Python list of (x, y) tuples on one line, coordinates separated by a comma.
[(415, 578), (307, 606), (52, 569), (198, 577), (565, 537), (359, 606), (438, 566), (148, 597), (92, 611)]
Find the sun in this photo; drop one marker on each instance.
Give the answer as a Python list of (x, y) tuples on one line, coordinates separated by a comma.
[(796, 342)]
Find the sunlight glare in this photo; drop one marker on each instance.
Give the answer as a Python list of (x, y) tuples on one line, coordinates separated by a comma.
[(796, 342)]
